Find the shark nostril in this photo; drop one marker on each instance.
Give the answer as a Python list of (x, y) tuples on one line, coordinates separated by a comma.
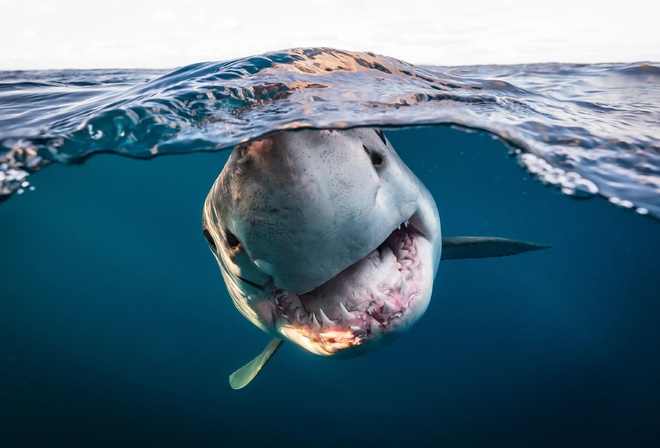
[(232, 241), (366, 149)]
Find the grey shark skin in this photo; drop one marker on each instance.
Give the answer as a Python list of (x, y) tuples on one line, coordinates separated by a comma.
[(325, 238)]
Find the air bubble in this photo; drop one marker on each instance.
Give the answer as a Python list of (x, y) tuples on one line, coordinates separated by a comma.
[(570, 183), (621, 202), (585, 188)]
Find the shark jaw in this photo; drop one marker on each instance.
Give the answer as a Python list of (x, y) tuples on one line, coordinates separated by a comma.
[(380, 295), (310, 231)]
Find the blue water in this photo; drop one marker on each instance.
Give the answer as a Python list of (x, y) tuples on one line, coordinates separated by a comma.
[(116, 328)]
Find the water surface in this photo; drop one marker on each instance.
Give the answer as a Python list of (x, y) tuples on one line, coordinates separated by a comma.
[(588, 129), (117, 330)]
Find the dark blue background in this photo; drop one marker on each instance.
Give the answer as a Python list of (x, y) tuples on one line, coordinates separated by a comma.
[(116, 329)]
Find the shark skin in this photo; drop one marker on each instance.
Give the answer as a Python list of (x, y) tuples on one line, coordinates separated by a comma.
[(325, 238)]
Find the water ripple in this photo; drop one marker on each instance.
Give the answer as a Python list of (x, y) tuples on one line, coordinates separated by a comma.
[(588, 129)]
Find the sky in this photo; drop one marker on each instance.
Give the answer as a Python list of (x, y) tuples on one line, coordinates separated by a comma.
[(57, 34)]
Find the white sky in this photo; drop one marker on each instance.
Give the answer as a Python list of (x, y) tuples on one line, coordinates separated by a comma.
[(42, 34)]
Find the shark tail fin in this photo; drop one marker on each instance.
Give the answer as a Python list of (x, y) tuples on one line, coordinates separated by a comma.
[(455, 248), (242, 377)]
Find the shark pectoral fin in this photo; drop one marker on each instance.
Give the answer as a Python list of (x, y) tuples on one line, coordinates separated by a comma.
[(484, 247), (242, 377)]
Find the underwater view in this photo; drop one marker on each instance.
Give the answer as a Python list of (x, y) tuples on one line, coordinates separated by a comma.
[(118, 329)]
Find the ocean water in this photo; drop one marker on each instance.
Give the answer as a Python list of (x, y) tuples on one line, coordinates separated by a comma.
[(117, 330)]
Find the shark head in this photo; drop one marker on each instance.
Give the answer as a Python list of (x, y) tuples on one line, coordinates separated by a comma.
[(324, 238)]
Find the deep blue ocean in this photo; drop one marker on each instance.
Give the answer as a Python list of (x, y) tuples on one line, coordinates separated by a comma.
[(116, 328)]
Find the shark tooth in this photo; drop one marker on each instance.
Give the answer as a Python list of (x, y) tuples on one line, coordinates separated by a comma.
[(355, 328), (388, 307), (345, 314), (297, 314), (314, 322), (404, 285), (374, 292), (324, 318)]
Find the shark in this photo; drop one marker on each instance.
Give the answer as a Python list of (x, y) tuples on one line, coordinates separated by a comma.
[(325, 238)]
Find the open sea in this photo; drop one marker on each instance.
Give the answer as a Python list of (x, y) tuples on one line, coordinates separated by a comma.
[(116, 329)]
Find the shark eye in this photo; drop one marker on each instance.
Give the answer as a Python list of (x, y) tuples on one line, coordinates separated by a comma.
[(376, 159), (232, 241), (209, 238), (380, 135)]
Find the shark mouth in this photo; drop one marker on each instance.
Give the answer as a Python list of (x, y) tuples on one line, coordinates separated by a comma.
[(368, 299)]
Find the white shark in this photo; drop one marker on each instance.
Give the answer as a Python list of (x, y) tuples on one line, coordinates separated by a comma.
[(326, 238)]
